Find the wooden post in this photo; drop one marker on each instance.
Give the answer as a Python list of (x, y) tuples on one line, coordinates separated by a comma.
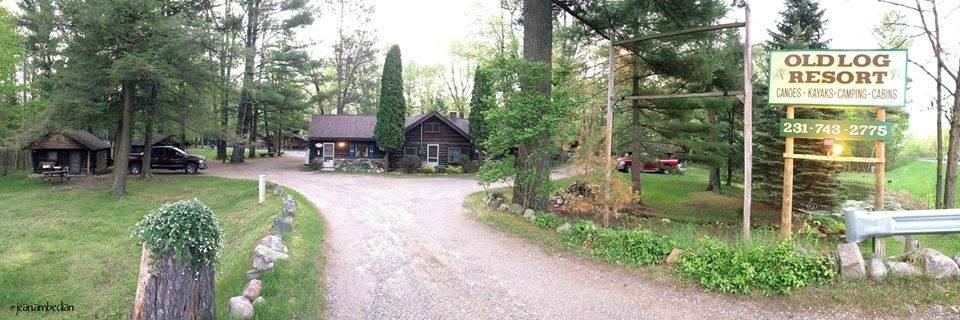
[(879, 244), (747, 124), (611, 62), (262, 189), (786, 214)]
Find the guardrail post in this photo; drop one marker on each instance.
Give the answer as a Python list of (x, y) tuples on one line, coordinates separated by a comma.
[(262, 188)]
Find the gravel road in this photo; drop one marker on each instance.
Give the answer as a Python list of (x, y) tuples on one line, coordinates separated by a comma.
[(405, 248)]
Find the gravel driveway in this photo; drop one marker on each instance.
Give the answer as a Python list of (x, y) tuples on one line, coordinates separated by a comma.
[(405, 248)]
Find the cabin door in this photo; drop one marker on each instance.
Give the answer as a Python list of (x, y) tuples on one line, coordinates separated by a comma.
[(75, 162), (328, 151), (433, 154)]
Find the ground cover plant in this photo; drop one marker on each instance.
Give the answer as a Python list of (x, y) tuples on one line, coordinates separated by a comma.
[(72, 244)]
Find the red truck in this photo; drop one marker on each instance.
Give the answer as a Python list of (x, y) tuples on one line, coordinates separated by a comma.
[(166, 157), (665, 166)]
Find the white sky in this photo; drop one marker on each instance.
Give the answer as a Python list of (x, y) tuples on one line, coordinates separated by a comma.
[(425, 30)]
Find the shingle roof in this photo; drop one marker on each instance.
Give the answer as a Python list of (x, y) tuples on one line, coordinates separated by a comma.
[(87, 139), (324, 126)]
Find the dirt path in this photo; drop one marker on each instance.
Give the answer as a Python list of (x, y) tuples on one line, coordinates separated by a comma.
[(405, 248)]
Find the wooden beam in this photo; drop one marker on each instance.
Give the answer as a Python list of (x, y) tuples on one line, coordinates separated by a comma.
[(686, 95), (747, 99), (680, 32), (786, 206), (831, 158), (879, 244)]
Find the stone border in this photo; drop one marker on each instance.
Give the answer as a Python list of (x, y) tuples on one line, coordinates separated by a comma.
[(269, 250)]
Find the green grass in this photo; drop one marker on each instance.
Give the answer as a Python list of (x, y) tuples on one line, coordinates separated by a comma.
[(696, 215), (211, 154), (73, 245)]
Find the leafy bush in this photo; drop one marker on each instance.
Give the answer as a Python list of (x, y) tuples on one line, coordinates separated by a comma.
[(428, 170), (634, 247), (440, 168), (771, 269), (546, 220), (410, 164), (581, 231), (454, 170), (187, 228), (470, 166)]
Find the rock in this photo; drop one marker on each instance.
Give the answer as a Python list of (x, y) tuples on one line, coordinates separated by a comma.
[(240, 308), (956, 258), (261, 263), (903, 269), (503, 207), (282, 225), (938, 265), (559, 201), (274, 242), (269, 254), (674, 255), (252, 290), (516, 208), (529, 214), (665, 220), (259, 300), (851, 261), (253, 274), (493, 203), (564, 228), (877, 269)]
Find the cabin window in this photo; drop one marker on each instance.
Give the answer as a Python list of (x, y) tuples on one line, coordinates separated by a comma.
[(431, 127), (52, 155), (358, 151), (410, 152), (453, 155)]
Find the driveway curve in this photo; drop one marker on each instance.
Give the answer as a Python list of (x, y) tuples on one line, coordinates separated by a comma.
[(405, 248)]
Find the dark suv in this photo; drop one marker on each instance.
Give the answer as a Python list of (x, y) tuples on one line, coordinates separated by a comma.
[(166, 157)]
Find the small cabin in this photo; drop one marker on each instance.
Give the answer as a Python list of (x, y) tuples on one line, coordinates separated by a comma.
[(78, 152)]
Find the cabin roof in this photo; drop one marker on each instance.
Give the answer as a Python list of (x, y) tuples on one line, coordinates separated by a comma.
[(361, 127)]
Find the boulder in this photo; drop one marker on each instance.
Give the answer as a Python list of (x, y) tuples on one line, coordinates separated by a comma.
[(851, 261), (252, 290), (240, 308), (503, 207), (261, 263), (674, 255), (282, 225), (493, 203), (665, 220), (288, 209), (516, 208), (259, 300), (877, 269), (529, 214), (564, 228), (274, 242), (938, 265), (270, 255), (903, 269)]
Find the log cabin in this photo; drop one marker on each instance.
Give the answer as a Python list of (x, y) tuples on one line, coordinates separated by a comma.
[(79, 152), (434, 138)]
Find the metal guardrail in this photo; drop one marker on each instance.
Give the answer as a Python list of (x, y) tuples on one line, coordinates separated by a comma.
[(862, 224)]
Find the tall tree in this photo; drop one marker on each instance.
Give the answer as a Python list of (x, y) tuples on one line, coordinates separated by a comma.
[(392, 111), (10, 55), (355, 56), (479, 104)]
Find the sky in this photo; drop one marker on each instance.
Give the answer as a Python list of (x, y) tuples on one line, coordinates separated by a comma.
[(426, 29)]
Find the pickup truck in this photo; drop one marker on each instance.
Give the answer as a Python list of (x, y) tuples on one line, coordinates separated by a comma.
[(166, 157), (665, 166)]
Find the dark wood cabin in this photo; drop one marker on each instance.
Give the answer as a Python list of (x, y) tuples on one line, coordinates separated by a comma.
[(79, 152), (433, 138), (136, 146)]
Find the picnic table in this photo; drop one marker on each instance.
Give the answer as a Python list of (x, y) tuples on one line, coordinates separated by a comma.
[(59, 174)]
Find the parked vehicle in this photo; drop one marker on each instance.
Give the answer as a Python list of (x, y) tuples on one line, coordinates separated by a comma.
[(665, 166), (167, 157)]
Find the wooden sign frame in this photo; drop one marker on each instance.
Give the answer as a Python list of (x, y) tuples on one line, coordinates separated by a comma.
[(879, 159)]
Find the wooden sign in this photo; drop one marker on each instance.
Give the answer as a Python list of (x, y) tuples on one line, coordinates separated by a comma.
[(836, 129), (876, 78)]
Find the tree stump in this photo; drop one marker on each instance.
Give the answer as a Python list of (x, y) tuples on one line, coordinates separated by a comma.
[(170, 290)]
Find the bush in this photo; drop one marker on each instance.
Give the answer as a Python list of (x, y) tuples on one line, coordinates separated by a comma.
[(188, 228), (410, 164), (470, 166), (633, 247), (771, 269), (454, 170), (546, 220), (428, 170), (440, 168), (581, 231)]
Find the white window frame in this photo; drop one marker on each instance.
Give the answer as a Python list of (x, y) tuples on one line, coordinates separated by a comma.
[(436, 159), (328, 146)]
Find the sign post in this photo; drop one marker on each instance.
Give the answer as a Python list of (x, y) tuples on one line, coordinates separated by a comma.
[(836, 79)]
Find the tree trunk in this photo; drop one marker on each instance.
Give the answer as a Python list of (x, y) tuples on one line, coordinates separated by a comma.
[(226, 63), (145, 163), (254, 129), (537, 47), (168, 289), (123, 146), (246, 99), (952, 151), (635, 170)]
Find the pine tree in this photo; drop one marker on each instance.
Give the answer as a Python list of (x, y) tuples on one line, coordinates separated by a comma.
[(478, 106), (390, 114), (815, 184)]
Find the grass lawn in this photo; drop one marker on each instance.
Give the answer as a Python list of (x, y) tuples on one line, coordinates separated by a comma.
[(74, 246), (697, 215), (211, 154)]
